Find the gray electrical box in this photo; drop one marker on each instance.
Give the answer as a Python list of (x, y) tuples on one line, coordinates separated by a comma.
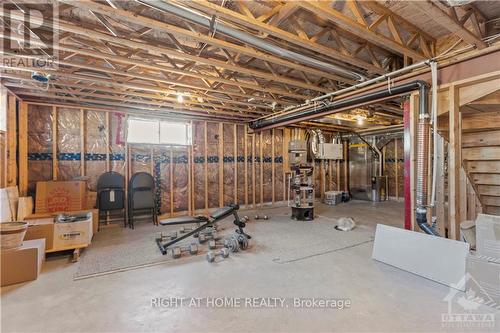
[(330, 151)]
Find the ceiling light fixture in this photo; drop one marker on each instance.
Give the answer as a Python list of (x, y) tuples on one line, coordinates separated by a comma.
[(360, 120), (180, 98)]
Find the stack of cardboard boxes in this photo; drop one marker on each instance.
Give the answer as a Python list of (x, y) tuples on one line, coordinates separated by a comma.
[(44, 234)]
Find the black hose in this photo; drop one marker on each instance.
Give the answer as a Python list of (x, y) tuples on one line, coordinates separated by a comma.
[(343, 103)]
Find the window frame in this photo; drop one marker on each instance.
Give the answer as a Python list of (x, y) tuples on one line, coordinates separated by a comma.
[(187, 124)]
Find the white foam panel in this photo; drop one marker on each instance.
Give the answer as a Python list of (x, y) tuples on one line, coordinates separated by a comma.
[(435, 258)]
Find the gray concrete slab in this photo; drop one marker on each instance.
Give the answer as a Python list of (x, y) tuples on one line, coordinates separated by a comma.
[(382, 298)]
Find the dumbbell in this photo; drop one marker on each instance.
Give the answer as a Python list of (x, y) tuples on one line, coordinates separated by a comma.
[(232, 243), (212, 244), (223, 253), (206, 236), (185, 230), (265, 217), (242, 241), (177, 251), (170, 236)]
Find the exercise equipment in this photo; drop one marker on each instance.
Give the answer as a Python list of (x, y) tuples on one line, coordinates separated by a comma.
[(170, 236), (178, 250), (212, 244), (203, 237), (232, 244), (242, 241), (204, 223), (223, 253)]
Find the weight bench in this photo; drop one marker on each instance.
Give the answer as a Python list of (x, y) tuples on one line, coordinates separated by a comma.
[(209, 221)]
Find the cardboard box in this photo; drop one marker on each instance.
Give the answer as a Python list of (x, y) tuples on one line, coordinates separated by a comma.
[(483, 279), (72, 234), (95, 217), (42, 228), (91, 200), (58, 196), (488, 235), (22, 264)]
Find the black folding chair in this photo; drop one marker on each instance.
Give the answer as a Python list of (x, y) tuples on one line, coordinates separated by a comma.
[(111, 194), (141, 196)]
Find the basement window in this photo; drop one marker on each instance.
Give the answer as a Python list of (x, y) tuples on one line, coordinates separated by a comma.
[(158, 132)]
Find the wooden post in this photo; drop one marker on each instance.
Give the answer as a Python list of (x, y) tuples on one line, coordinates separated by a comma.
[(82, 142), (205, 134), (254, 188), (286, 140), (322, 180), (396, 164), (272, 167), (11, 168), (55, 162), (337, 173), (171, 182), (127, 174), (108, 142), (23, 149), (454, 163), (245, 156), (440, 199), (190, 169), (413, 154), (346, 165), (261, 170), (221, 164), (191, 204), (235, 161), (151, 161)]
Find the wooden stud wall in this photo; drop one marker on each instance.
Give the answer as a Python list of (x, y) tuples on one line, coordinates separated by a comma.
[(253, 146)]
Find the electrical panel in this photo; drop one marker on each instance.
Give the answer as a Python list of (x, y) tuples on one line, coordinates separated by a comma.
[(330, 151)]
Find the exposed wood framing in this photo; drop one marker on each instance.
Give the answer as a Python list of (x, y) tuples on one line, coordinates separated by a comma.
[(23, 149), (221, 164), (323, 10), (82, 141), (451, 23), (55, 140), (454, 164), (11, 168), (205, 159)]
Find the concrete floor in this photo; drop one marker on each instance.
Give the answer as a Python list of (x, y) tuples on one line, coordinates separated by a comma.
[(382, 298)]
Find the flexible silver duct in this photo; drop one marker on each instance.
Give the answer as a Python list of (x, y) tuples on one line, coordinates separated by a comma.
[(205, 21), (317, 138)]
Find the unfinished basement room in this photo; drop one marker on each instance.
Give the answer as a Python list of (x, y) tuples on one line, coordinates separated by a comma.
[(250, 166)]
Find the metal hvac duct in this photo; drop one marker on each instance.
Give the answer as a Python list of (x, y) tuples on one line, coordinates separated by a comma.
[(247, 38), (422, 135)]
